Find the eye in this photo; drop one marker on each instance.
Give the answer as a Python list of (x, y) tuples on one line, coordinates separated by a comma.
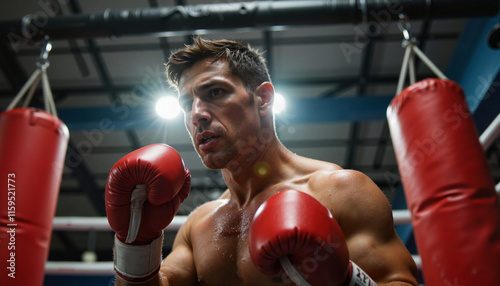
[(216, 92)]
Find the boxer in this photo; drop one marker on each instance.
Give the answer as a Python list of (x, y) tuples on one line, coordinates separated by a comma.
[(283, 220)]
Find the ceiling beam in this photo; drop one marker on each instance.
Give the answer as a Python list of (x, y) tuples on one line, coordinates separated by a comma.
[(244, 15), (311, 40), (476, 67), (103, 72), (10, 66), (329, 81)]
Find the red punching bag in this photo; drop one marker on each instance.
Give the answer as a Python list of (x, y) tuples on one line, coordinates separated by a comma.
[(32, 150), (448, 185)]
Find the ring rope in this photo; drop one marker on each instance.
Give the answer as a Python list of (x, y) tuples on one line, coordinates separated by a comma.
[(106, 267)]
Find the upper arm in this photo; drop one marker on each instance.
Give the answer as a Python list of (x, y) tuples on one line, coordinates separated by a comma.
[(178, 267), (365, 216)]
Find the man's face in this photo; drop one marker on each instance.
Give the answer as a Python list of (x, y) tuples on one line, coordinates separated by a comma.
[(220, 115)]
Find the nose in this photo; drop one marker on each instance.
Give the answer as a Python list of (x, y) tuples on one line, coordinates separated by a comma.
[(199, 113)]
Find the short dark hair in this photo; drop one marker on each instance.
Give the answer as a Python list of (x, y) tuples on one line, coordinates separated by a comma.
[(243, 61)]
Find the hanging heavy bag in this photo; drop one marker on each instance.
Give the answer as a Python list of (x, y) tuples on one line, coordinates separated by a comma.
[(33, 146), (448, 185)]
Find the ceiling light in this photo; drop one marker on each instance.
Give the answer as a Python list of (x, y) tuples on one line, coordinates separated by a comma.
[(168, 107)]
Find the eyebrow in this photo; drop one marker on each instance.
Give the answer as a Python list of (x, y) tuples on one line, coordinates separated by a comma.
[(207, 85), (201, 88), (210, 84)]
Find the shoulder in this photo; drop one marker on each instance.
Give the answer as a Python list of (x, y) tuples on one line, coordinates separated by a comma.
[(341, 180), (198, 217), (350, 185), (353, 198)]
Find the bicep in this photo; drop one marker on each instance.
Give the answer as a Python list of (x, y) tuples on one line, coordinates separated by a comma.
[(367, 222), (178, 267)]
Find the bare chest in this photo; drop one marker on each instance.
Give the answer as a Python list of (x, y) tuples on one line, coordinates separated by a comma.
[(220, 250)]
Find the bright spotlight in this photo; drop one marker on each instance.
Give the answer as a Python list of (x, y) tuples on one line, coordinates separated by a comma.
[(168, 107), (279, 103)]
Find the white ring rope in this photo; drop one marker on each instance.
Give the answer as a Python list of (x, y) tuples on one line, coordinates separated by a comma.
[(106, 267), (491, 133), (79, 268), (101, 223)]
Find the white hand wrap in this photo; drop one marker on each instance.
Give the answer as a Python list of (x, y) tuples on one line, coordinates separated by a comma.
[(359, 277), (137, 261), (138, 197)]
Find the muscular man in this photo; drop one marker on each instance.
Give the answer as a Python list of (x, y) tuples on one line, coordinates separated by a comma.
[(227, 96)]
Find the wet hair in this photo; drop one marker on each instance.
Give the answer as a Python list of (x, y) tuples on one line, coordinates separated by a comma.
[(243, 61)]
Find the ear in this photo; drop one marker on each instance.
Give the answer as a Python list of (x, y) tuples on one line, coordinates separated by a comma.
[(265, 98)]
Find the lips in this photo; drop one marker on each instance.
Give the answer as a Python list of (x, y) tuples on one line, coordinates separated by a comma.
[(206, 139)]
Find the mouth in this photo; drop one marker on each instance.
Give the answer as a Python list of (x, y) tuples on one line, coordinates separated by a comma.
[(206, 140)]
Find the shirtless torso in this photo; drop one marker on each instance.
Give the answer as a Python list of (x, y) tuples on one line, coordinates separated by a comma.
[(214, 241)]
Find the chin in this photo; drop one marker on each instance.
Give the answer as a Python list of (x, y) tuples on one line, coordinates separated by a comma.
[(209, 161), (214, 161)]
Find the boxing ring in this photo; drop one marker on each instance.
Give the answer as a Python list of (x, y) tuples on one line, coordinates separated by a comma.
[(106, 267), (401, 217)]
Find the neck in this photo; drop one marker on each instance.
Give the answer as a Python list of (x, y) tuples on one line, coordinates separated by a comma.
[(266, 169)]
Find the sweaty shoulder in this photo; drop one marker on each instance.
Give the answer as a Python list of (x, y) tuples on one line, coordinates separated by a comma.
[(197, 217), (205, 209), (350, 195)]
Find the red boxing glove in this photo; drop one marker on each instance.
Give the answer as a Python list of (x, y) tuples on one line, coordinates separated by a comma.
[(143, 193), (293, 229)]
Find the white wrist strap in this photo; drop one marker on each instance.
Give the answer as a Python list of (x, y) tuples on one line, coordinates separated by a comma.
[(292, 272), (137, 199), (359, 277), (137, 261)]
